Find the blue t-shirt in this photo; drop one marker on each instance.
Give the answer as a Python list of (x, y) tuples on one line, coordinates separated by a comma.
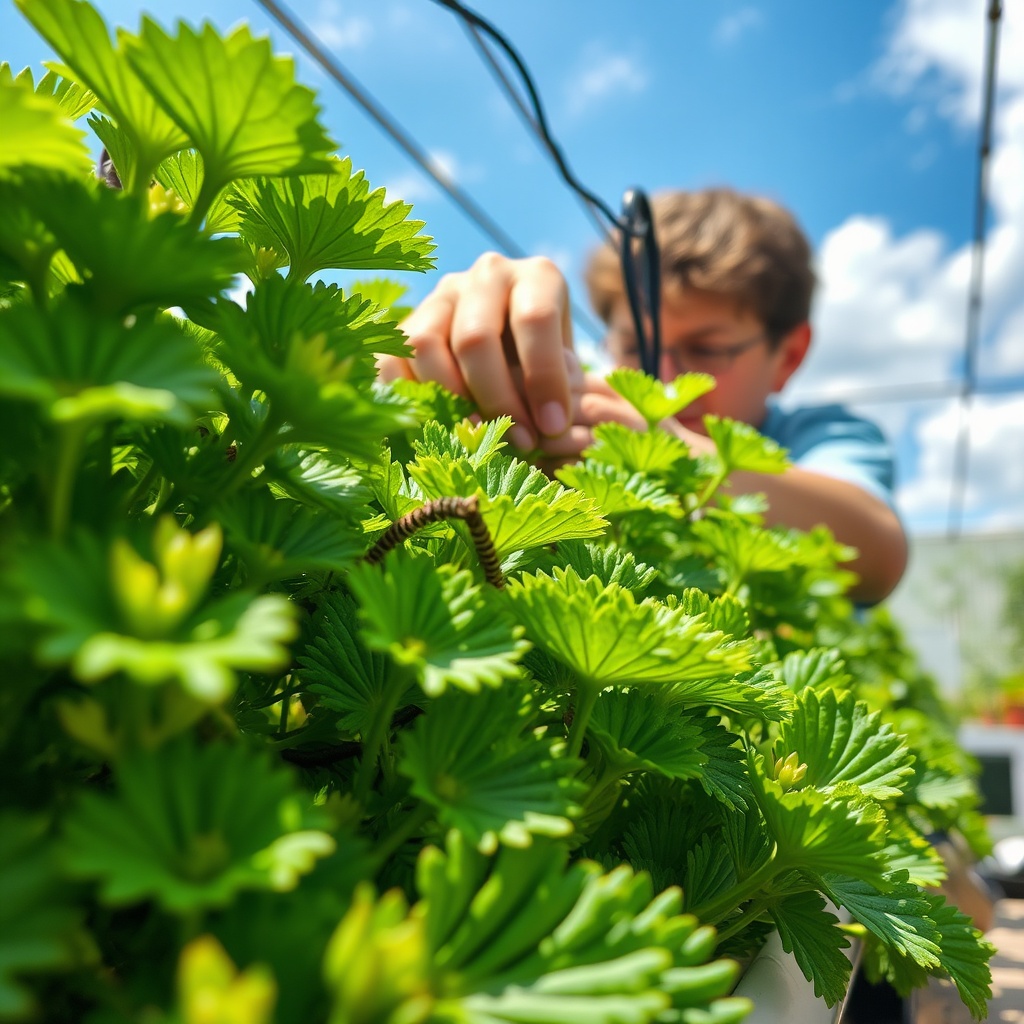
[(831, 440)]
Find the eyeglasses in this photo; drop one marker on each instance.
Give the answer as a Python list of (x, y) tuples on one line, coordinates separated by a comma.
[(696, 357)]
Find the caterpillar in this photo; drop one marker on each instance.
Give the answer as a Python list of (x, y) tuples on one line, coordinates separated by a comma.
[(466, 509)]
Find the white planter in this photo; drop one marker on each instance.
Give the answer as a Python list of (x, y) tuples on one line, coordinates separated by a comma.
[(780, 992)]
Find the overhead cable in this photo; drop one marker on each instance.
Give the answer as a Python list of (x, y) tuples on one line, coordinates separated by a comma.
[(972, 339), (487, 225), (526, 115)]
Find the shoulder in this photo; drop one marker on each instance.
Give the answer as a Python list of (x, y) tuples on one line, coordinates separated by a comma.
[(832, 440), (810, 425)]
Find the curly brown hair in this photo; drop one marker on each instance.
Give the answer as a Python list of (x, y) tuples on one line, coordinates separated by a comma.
[(719, 241)]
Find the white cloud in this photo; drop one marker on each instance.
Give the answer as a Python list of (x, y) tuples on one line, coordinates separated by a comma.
[(338, 31), (939, 46), (892, 310), (995, 481), (602, 76), (733, 27)]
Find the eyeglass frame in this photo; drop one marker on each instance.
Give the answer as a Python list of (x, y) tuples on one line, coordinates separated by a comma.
[(730, 353)]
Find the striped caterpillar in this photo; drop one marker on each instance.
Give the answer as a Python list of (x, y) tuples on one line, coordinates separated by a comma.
[(466, 509)]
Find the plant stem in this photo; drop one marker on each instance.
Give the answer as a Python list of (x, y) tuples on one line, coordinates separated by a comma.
[(709, 491), (393, 841), (717, 909), (586, 698), (69, 449), (753, 910), (373, 740)]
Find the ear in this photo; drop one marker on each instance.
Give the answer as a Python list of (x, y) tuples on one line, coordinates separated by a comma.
[(790, 354)]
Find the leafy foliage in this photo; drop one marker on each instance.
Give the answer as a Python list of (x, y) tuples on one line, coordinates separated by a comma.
[(228, 720)]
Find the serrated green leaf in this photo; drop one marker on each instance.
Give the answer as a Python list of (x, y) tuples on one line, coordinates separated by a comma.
[(279, 538), (432, 401), (81, 367), (841, 740), (475, 443), (475, 759), (183, 173), (343, 672), (725, 612), (656, 400), (616, 491), (520, 506), (724, 776), (610, 639), (907, 850), (963, 955), (655, 452), (610, 564), (743, 549), (38, 135), (125, 257), (742, 449), (72, 99), (811, 934), (819, 668), (899, 917), (935, 787), (434, 620), (636, 733), (238, 103), (190, 825), (316, 479), (708, 875), (79, 35), (331, 221), (818, 836)]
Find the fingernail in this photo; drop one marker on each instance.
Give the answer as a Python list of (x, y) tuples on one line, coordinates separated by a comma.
[(551, 419), (521, 438)]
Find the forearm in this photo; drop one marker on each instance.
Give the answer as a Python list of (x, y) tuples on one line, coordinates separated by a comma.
[(803, 499)]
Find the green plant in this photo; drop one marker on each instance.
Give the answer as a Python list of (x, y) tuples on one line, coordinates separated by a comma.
[(312, 676)]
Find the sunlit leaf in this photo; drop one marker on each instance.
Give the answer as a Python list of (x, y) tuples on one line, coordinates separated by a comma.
[(37, 134), (657, 400), (609, 638), (79, 35), (331, 221), (656, 452), (188, 826), (239, 104), (435, 621), (616, 491), (636, 733), (475, 759), (840, 740), (741, 448)]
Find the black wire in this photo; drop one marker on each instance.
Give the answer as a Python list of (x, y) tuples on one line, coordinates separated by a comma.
[(408, 144), (398, 134), (641, 269), (972, 339), (641, 272), (528, 118), (472, 18)]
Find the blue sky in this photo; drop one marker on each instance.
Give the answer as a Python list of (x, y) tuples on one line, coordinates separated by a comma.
[(861, 117)]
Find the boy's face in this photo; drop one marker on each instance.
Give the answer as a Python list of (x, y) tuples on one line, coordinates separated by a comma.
[(705, 333)]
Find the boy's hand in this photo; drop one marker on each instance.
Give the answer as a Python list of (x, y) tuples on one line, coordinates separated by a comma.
[(499, 334)]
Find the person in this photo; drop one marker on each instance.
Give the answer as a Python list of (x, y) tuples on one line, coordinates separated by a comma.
[(737, 285)]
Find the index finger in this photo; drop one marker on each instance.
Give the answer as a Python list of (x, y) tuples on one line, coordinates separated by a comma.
[(541, 328)]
